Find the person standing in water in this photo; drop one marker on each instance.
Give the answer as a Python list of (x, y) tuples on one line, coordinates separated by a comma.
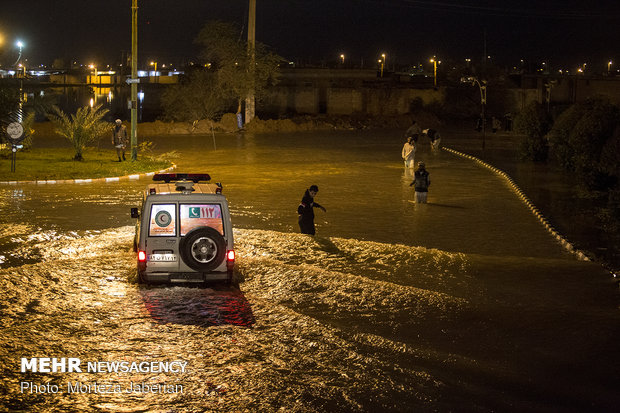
[(408, 152), (422, 181), (305, 210)]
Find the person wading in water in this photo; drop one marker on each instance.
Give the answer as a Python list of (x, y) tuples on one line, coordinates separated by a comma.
[(306, 211)]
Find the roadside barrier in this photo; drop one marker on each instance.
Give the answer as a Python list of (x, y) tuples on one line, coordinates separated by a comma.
[(563, 241), (89, 180)]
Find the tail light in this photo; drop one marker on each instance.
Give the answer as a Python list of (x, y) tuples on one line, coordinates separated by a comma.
[(141, 256), (230, 259)]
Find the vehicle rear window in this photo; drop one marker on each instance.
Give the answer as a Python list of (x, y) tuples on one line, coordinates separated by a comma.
[(163, 220), (201, 215)]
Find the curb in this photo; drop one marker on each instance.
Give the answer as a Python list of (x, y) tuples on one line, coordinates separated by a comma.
[(563, 241), (89, 180)]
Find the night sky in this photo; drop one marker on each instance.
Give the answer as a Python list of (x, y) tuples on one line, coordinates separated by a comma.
[(565, 33)]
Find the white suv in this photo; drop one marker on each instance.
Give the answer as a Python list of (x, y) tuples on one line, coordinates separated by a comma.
[(183, 231)]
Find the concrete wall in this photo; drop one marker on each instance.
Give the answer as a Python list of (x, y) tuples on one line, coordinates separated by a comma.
[(523, 97), (339, 100), (571, 89)]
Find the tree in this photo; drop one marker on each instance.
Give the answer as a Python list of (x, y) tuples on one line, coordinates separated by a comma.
[(199, 97), (10, 109), (28, 124), (228, 55), (588, 139), (58, 63), (534, 123), (80, 129), (559, 135), (9, 100), (584, 139)]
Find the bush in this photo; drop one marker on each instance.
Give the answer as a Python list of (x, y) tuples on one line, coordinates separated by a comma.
[(558, 136), (586, 140), (534, 123)]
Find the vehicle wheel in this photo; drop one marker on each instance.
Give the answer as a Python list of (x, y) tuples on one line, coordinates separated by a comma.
[(203, 249)]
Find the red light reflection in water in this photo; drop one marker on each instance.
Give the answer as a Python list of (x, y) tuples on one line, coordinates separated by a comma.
[(197, 306)]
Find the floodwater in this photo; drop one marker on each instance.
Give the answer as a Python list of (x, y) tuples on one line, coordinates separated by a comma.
[(465, 304)]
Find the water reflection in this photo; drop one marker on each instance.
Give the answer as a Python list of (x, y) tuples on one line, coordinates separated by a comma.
[(198, 306), (114, 98)]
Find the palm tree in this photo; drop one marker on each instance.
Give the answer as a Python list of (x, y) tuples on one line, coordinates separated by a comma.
[(80, 129)]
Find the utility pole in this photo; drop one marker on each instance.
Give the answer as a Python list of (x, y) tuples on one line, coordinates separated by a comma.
[(250, 102), (482, 85), (484, 58), (134, 78)]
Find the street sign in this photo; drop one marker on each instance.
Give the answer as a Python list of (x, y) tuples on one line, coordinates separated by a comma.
[(15, 130), (130, 81)]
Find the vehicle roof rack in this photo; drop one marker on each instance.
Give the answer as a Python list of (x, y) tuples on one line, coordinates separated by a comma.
[(174, 177)]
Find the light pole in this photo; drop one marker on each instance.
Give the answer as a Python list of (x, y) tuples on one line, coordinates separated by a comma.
[(155, 70), (548, 86), (250, 101), (134, 79), (608, 67), (381, 65), (22, 68), (342, 58), (435, 62), (94, 73), (482, 85), (20, 45)]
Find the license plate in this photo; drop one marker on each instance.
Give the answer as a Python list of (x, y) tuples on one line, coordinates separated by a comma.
[(162, 257)]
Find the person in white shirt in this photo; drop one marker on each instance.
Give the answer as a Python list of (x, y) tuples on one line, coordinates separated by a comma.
[(408, 152)]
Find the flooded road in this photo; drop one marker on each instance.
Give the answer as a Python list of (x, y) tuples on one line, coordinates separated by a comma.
[(464, 304)]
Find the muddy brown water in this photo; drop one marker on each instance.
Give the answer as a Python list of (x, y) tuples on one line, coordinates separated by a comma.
[(463, 304)]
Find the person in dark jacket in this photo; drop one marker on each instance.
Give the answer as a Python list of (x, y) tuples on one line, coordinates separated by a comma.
[(422, 181), (434, 137), (306, 211)]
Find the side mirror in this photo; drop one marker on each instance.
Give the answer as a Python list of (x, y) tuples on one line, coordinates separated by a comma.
[(135, 213)]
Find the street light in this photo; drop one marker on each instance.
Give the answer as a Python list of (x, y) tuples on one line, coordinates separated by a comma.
[(22, 69), (609, 66), (154, 64), (381, 63), (20, 45), (483, 101), (94, 74), (342, 58), (435, 62)]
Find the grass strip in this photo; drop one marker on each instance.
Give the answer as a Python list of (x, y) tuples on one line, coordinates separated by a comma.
[(57, 163)]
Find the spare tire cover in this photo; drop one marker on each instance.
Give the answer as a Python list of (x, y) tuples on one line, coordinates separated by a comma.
[(203, 249)]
